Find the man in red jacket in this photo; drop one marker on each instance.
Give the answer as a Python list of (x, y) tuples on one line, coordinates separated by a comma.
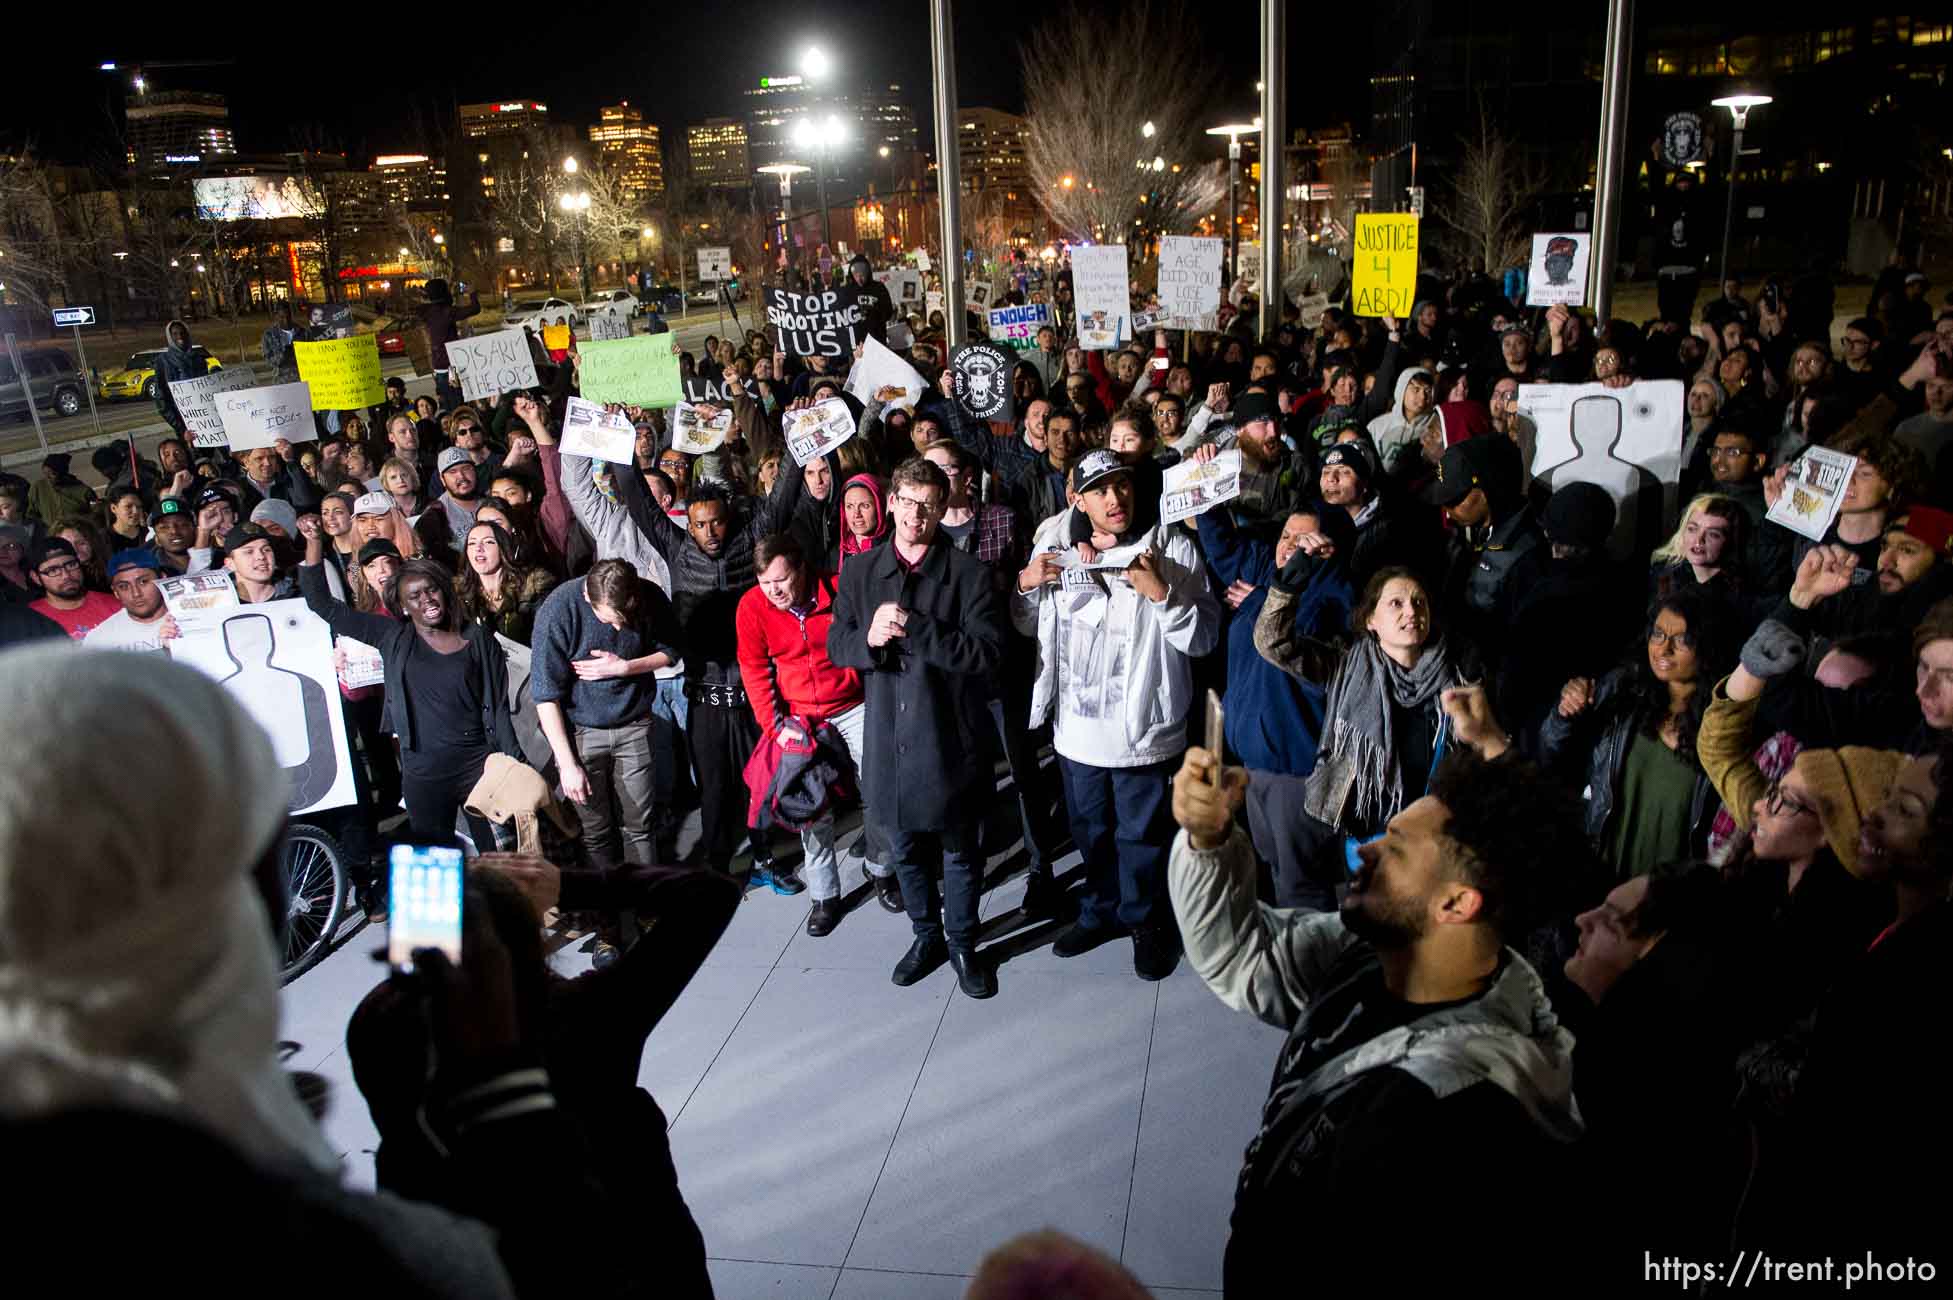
[(782, 625)]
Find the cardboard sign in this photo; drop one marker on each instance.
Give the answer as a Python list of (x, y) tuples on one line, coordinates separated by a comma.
[(556, 338), (881, 368), (1559, 273), (1384, 277), (1189, 489), (1017, 327), (694, 435), (816, 430), (259, 417), (590, 430), (715, 264), (1104, 295), (1190, 279), (607, 324), (1814, 492), (491, 364), (980, 378), (1626, 440), (344, 373), (821, 324), (197, 402), (630, 372)]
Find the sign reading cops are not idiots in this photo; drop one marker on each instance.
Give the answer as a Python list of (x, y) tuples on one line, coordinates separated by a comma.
[(815, 324), (1385, 271)]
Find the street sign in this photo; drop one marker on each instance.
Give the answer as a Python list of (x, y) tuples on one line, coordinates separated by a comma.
[(1417, 200), (76, 316), (715, 264)]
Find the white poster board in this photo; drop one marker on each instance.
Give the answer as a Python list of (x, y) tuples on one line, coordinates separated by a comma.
[(1559, 271), (1103, 293), (818, 429), (932, 302), (259, 417), (1627, 440), (276, 660), (694, 435), (609, 324), (600, 434), (1190, 489), (922, 259), (491, 364), (199, 602), (196, 401), (1814, 492), (715, 264), (881, 368), (1190, 279)]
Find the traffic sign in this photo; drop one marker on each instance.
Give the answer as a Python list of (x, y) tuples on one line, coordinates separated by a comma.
[(76, 316)]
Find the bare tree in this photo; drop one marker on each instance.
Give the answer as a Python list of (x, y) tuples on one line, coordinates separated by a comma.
[(1485, 205), (1091, 88), (33, 252)]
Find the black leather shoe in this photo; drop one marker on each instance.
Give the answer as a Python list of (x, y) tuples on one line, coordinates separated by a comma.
[(925, 954), (973, 973), (1079, 938), (1155, 951), (887, 888), (1043, 898), (825, 916)]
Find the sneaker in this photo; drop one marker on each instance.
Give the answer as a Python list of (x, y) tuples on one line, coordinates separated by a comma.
[(780, 882), (1155, 951), (888, 890), (1079, 938), (825, 916), (373, 901)]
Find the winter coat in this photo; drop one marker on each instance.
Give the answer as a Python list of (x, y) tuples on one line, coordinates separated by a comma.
[(926, 760), (1078, 628), (1561, 742), (783, 660), (850, 546), (877, 308), (439, 319), (1397, 434), (173, 364)]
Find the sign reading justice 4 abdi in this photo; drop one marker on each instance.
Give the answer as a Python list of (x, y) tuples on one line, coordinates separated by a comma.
[(1385, 271)]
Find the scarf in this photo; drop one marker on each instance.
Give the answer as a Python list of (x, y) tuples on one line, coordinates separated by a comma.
[(1357, 781)]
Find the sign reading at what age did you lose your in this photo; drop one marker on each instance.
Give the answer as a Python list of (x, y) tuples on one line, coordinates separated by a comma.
[(344, 373), (1385, 272)]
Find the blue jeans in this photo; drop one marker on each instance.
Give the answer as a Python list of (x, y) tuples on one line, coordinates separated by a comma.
[(670, 766), (1122, 822), (910, 854)]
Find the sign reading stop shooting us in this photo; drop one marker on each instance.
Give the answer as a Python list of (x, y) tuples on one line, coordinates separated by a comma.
[(814, 324), (1385, 272)]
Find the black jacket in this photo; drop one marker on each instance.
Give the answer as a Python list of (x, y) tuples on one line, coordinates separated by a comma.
[(926, 764), (1562, 744), (877, 308)]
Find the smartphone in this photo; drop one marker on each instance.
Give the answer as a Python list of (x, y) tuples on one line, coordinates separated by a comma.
[(1216, 724), (424, 905)]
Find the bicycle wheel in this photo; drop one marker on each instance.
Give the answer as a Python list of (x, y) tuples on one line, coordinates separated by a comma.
[(315, 877)]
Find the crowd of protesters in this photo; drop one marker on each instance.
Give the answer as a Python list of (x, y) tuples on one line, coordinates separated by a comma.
[(1593, 852)]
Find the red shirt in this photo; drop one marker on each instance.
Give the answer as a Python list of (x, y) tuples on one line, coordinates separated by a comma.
[(784, 656), (95, 608)]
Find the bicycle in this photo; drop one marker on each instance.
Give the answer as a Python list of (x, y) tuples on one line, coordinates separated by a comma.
[(318, 892)]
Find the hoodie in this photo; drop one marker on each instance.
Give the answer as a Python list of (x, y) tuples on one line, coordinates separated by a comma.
[(877, 308), (1397, 433), (176, 363), (850, 544)]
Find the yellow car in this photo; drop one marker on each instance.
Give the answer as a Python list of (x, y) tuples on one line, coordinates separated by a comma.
[(136, 377)]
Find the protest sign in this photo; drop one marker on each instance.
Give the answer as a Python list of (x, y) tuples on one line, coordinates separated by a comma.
[(980, 378), (701, 388), (344, 373), (1814, 492), (880, 368), (695, 435), (1247, 262), (906, 288), (1103, 293), (715, 264), (1017, 327), (639, 371), (1627, 440), (824, 324), (590, 430), (333, 320), (556, 338), (1384, 275), (922, 259), (1559, 274), (198, 601), (1310, 308), (275, 659), (259, 417), (491, 364), (979, 294), (932, 302), (362, 664), (607, 324), (1190, 279), (1191, 488), (818, 429), (1153, 318), (196, 402)]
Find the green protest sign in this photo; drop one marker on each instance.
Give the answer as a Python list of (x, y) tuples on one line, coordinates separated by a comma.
[(639, 371)]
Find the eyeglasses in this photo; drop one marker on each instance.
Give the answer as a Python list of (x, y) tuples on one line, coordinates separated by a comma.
[(923, 508), (1683, 640), (1730, 453), (59, 566), (1857, 341), (1777, 804)]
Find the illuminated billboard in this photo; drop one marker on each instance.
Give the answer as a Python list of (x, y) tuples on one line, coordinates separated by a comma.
[(256, 198)]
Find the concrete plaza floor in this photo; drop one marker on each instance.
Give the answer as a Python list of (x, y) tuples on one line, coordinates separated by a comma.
[(839, 1137)]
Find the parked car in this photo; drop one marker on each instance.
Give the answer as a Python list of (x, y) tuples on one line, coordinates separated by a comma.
[(538, 312), (707, 294), (670, 299), (392, 334), (51, 378), (614, 300), (136, 377)]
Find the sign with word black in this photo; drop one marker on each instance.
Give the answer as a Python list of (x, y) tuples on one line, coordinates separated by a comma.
[(701, 389), (980, 376), (815, 324)]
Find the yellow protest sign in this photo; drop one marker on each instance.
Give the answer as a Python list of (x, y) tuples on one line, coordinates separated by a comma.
[(1385, 272), (556, 338), (344, 373)]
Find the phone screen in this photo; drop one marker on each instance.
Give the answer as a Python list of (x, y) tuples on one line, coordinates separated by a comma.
[(1216, 725), (424, 910)]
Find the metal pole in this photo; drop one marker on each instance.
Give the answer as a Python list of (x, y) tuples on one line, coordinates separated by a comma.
[(949, 180), (81, 356), (1233, 218), (1612, 156), (820, 184), (1274, 176), (1729, 216), (27, 390)]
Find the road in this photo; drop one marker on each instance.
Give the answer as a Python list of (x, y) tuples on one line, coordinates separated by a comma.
[(21, 452)]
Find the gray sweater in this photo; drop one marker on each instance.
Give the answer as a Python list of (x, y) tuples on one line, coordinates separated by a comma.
[(567, 629)]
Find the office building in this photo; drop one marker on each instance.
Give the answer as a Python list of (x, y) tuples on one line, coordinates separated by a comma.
[(628, 148), (872, 119), (411, 181), (178, 129), (716, 153), (990, 148), (504, 117)]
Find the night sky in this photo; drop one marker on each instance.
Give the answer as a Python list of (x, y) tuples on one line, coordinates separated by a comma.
[(361, 82)]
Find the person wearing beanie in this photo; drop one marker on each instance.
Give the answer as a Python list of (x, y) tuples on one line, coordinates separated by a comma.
[(877, 308), (143, 623), (278, 518), (1493, 527), (56, 571), (1275, 481), (1830, 599), (57, 494)]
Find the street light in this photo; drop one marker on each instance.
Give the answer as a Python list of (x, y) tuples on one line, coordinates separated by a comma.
[(1739, 106), (814, 64), (820, 138), (579, 204), (786, 172), (1234, 131), (569, 166)]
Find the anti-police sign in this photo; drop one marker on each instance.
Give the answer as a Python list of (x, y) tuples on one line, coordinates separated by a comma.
[(814, 324), (74, 315), (1017, 327)]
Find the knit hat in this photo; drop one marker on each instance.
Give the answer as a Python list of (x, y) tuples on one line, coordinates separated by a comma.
[(273, 511), (1847, 784), (373, 503), (211, 495), (1579, 514), (1254, 406), (1351, 455)]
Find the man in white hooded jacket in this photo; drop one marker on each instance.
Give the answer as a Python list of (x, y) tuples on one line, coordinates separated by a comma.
[(1116, 642)]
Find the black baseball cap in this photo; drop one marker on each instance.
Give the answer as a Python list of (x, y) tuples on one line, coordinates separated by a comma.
[(211, 495), (377, 549), (243, 535), (165, 508), (1473, 463)]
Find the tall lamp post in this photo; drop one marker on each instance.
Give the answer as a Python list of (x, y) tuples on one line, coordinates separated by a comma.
[(579, 205), (786, 172), (1233, 131), (1739, 107), (820, 138)]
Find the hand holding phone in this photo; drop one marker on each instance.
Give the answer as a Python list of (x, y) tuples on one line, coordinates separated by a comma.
[(424, 903)]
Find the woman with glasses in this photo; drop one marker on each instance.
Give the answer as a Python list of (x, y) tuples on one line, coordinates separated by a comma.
[(1631, 738)]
